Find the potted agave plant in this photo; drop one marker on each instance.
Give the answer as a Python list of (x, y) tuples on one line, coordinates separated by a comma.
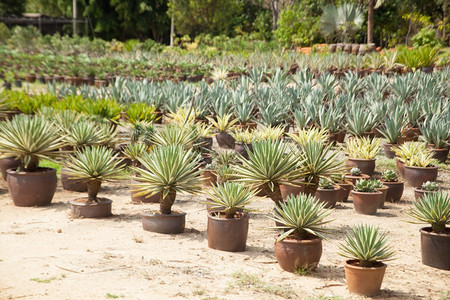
[(93, 165), (301, 219), (228, 219), (167, 169), (355, 174), (366, 249), (436, 132), (362, 152), (327, 193), (30, 139), (434, 209), (223, 124), (405, 151), (426, 188), (243, 141), (394, 185), (392, 131), (365, 198)]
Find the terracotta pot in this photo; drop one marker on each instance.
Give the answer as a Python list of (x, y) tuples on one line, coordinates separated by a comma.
[(367, 166), (383, 190), (328, 196), (249, 125), (332, 48), (227, 234), (32, 188), (416, 176), (208, 178), (440, 154), (366, 203), (100, 82), (81, 208), (30, 78), (225, 140), (354, 179), (387, 150), (435, 248), (242, 149), (288, 190), (410, 134), (292, 254), (400, 167), (8, 163), (333, 138), (161, 223), (74, 185), (344, 191), (418, 193), (364, 280), (395, 190), (340, 137)]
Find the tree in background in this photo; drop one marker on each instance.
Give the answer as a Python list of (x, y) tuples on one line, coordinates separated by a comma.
[(12, 7), (342, 21)]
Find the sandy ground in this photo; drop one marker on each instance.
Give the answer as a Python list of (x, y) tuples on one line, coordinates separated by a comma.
[(44, 254)]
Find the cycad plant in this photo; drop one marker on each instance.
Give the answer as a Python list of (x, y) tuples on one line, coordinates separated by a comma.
[(168, 169), (230, 196), (94, 165), (301, 216), (366, 244), (270, 164), (30, 140), (433, 209)]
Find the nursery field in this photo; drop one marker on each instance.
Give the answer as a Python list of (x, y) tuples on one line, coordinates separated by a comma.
[(46, 254)]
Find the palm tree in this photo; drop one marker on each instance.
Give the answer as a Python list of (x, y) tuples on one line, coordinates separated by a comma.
[(343, 20)]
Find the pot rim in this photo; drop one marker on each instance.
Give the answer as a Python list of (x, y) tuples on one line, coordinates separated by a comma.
[(245, 216), (362, 159), (422, 168), (336, 188), (382, 188), (419, 189), (314, 240), (427, 231), (362, 176), (364, 193), (348, 264), (151, 213), (42, 170), (392, 182), (102, 201)]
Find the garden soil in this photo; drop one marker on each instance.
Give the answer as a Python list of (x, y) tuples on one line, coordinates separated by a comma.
[(46, 254)]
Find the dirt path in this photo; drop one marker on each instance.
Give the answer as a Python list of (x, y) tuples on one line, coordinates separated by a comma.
[(44, 254)]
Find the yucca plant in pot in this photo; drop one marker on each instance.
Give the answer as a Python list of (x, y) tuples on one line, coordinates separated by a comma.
[(366, 249), (395, 186), (361, 153), (270, 165), (223, 124), (365, 198), (392, 131), (327, 193), (426, 188), (243, 141), (436, 132), (405, 151), (421, 167), (94, 165), (31, 139), (434, 209), (301, 220), (228, 219), (169, 169)]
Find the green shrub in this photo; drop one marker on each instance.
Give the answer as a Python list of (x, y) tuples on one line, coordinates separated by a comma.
[(4, 33), (425, 37)]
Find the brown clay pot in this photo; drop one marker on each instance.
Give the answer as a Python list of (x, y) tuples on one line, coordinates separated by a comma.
[(328, 196), (395, 190), (162, 223), (243, 149), (416, 176), (32, 188), (288, 190), (81, 208), (400, 166), (367, 166), (74, 185), (225, 140), (383, 190), (292, 253), (340, 137), (227, 234), (387, 150), (418, 193), (8, 163), (435, 248), (344, 191), (364, 280), (354, 179), (440, 154), (366, 203), (208, 178), (410, 134)]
